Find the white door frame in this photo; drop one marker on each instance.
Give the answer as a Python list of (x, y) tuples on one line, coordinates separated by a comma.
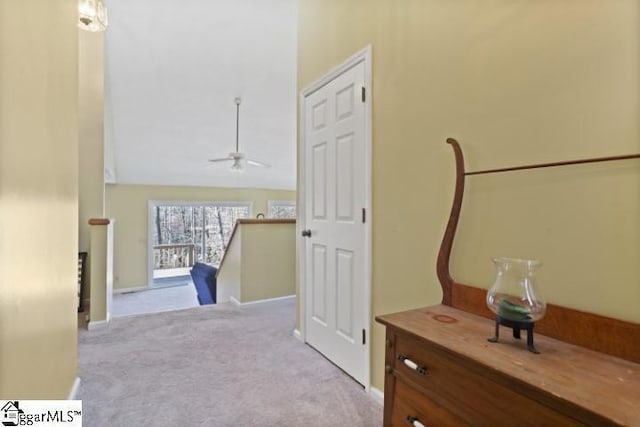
[(363, 56)]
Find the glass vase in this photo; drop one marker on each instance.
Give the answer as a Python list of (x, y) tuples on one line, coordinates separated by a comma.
[(513, 295)]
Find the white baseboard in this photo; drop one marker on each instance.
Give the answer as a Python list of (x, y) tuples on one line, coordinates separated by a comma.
[(97, 324), (262, 301), (297, 335), (377, 395), (74, 389)]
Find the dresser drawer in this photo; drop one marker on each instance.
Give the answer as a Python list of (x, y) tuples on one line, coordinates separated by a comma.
[(468, 394), (410, 407)]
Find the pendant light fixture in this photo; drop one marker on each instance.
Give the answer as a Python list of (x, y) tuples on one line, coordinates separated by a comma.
[(92, 15)]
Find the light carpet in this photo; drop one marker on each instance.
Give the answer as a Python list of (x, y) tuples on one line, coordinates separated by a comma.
[(219, 365), (154, 300)]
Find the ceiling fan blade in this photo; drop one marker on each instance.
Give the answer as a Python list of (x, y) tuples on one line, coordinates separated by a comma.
[(257, 163), (223, 159)]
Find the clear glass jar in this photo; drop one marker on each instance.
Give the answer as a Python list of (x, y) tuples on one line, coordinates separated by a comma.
[(513, 295)]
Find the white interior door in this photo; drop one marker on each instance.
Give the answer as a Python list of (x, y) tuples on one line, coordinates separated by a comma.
[(334, 202)]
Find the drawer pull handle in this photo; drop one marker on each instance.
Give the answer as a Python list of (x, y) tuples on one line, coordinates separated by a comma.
[(414, 421), (412, 365)]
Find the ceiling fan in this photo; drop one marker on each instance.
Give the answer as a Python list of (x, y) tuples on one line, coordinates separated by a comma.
[(238, 158)]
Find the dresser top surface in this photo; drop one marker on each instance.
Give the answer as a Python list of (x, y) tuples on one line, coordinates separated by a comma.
[(601, 383)]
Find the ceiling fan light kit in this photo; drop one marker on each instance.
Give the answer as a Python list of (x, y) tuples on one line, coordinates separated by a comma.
[(238, 159), (238, 162)]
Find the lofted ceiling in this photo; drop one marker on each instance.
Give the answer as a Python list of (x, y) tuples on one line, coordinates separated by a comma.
[(172, 71)]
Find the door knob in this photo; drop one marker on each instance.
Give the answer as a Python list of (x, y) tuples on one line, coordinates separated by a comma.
[(306, 233)]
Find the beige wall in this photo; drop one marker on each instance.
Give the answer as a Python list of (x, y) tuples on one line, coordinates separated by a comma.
[(229, 276), (91, 132), (516, 82), (90, 138), (128, 205), (268, 261), (101, 273), (260, 263), (38, 198)]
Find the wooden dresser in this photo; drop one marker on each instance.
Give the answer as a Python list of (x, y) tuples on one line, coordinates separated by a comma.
[(442, 371)]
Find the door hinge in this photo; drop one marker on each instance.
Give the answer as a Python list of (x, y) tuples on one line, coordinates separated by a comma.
[(364, 215), (364, 337), (364, 94)]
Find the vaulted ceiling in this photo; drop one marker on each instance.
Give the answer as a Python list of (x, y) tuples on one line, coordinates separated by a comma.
[(172, 71)]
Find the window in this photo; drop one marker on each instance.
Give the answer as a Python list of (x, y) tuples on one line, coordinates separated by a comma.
[(282, 209), (184, 233)]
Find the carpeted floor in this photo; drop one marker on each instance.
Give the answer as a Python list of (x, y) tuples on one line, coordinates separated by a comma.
[(154, 300), (214, 366)]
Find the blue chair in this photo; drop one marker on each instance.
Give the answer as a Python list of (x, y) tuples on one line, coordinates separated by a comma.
[(204, 279)]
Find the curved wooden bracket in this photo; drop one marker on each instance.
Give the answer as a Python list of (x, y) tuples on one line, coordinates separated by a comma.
[(444, 253), (600, 333)]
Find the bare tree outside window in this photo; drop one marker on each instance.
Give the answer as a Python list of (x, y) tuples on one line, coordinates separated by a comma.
[(185, 234), (282, 209)]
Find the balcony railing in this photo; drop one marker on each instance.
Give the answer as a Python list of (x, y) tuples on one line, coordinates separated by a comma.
[(167, 257)]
